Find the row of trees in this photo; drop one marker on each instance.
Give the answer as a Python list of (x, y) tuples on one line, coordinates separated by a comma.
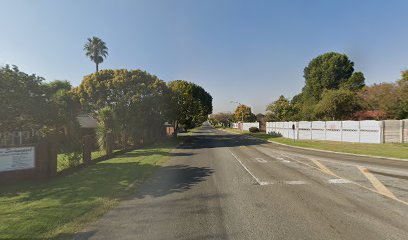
[(334, 91), (131, 104)]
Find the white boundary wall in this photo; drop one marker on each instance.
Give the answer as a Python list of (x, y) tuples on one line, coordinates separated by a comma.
[(245, 125), (368, 131)]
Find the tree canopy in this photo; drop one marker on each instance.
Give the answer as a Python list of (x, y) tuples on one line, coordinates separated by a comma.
[(244, 113), (325, 72), (191, 103)]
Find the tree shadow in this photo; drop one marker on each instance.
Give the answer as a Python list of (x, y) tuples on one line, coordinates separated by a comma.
[(220, 141), (171, 179)]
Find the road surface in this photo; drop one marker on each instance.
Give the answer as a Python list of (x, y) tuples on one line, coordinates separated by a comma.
[(225, 186)]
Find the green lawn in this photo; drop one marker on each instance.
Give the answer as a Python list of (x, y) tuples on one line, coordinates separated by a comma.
[(63, 158), (59, 207), (392, 150)]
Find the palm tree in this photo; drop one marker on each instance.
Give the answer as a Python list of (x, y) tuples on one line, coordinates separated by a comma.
[(96, 50)]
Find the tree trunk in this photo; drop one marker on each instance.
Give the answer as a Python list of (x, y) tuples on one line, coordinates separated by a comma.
[(97, 68)]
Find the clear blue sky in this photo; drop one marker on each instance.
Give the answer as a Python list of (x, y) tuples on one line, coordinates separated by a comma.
[(247, 51)]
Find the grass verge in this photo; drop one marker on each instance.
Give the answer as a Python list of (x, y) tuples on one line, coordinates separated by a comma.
[(57, 208), (391, 150)]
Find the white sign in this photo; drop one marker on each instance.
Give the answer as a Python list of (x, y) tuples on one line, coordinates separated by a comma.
[(17, 158)]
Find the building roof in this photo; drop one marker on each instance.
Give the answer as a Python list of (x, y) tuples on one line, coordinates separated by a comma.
[(86, 121)]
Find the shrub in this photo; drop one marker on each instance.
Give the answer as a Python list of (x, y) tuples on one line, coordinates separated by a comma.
[(253, 129)]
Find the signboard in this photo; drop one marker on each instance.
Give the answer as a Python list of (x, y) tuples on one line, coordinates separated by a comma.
[(17, 158)]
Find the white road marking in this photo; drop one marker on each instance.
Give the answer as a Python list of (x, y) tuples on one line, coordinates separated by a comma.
[(283, 160), (256, 179), (295, 182), (338, 180), (261, 160)]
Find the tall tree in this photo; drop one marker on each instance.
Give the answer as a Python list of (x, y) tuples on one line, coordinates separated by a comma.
[(327, 71), (244, 113), (280, 110), (139, 101), (336, 104), (191, 103), (96, 50)]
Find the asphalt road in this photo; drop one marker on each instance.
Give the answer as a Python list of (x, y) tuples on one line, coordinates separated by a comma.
[(223, 186)]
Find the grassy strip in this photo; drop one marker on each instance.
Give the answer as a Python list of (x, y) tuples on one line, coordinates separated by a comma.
[(62, 206), (63, 159), (391, 150)]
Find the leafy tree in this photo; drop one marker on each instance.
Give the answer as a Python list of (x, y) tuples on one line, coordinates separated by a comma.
[(140, 101), (355, 82), (403, 95), (244, 113), (65, 104), (191, 104), (222, 118), (96, 50), (280, 110), (336, 104), (383, 97), (327, 71), (23, 101)]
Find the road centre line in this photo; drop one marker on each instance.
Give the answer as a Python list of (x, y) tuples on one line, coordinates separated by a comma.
[(376, 183)]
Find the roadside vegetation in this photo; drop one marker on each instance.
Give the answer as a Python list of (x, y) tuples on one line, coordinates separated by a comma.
[(60, 207), (130, 106), (333, 90), (390, 150)]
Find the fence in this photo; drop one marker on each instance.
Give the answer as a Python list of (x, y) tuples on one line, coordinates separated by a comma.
[(17, 138), (368, 131), (245, 126)]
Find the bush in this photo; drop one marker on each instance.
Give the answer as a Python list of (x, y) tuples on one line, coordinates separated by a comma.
[(253, 129)]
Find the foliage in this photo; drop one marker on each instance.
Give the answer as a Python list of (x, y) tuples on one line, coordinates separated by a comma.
[(243, 113), (191, 104), (106, 125), (140, 101), (253, 129), (280, 110), (336, 104), (222, 118), (96, 50), (330, 90), (354, 83), (23, 100), (383, 97), (327, 71)]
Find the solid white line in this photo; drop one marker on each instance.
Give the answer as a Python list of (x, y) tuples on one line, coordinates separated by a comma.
[(256, 179)]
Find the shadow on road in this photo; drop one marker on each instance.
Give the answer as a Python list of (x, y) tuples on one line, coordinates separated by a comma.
[(173, 179)]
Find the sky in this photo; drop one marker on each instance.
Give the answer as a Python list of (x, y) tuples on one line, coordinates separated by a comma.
[(246, 51)]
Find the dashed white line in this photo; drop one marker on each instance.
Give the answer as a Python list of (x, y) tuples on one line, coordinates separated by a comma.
[(338, 180), (261, 160), (295, 182)]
